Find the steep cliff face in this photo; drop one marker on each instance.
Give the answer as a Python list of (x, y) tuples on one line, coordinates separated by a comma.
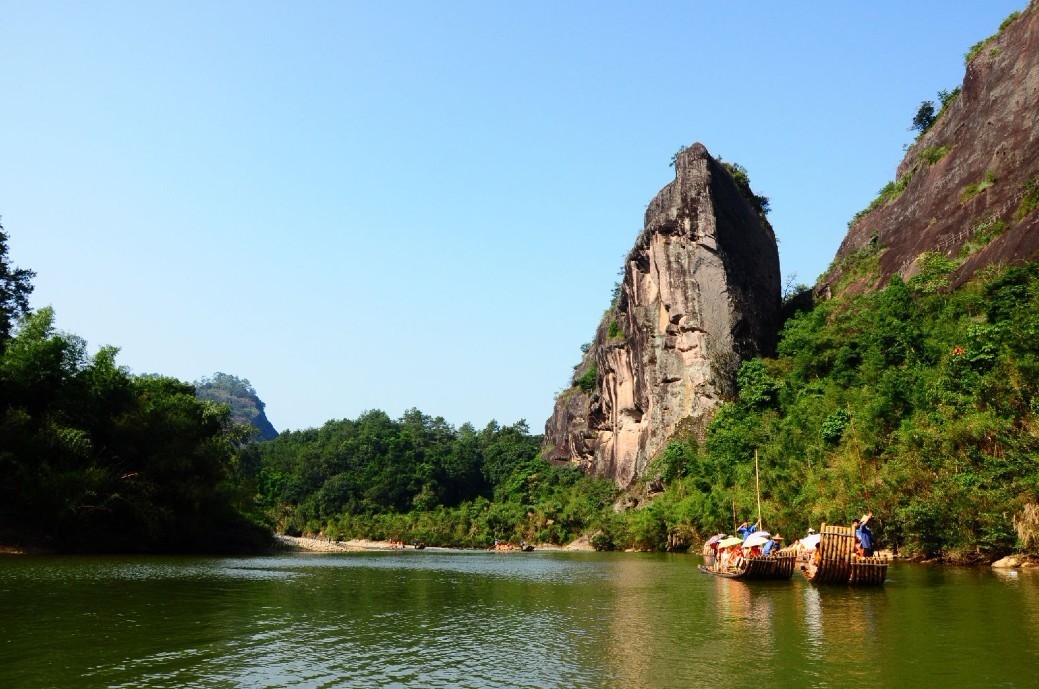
[(701, 292), (967, 183)]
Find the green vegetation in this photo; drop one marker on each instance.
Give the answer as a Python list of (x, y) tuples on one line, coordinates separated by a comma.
[(15, 288), (932, 154), (742, 180), (420, 479), (946, 98), (974, 188), (240, 396), (674, 156), (614, 331), (889, 193), (976, 49), (587, 380), (983, 230), (924, 117), (1029, 200), (93, 458), (932, 397)]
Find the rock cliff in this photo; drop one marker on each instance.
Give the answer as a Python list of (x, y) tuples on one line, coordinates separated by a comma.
[(967, 186), (701, 292), (246, 406)]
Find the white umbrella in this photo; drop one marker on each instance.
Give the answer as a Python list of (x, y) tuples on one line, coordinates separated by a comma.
[(757, 538), (811, 541)]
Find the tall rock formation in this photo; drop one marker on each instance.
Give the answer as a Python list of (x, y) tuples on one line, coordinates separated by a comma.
[(965, 187), (701, 292)]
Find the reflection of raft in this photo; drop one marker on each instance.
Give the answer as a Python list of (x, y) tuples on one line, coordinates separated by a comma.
[(772, 566), (835, 561)]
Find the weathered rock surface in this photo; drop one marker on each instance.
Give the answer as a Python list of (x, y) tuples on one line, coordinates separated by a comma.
[(1009, 562), (701, 292), (991, 133)]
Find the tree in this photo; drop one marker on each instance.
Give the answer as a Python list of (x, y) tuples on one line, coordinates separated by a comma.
[(15, 288), (924, 118)]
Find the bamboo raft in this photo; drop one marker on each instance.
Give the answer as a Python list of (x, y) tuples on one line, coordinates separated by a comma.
[(772, 566), (835, 561)]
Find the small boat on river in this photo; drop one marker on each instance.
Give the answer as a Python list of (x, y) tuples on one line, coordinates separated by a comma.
[(503, 547), (735, 563), (738, 558), (836, 562)]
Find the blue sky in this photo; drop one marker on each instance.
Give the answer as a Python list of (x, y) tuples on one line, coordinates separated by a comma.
[(370, 205)]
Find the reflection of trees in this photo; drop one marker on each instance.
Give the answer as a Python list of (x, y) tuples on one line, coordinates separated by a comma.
[(843, 628), (660, 621), (669, 622), (744, 610)]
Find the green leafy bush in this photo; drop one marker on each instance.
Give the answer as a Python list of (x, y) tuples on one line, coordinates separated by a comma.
[(932, 154), (974, 188), (587, 380), (976, 49)]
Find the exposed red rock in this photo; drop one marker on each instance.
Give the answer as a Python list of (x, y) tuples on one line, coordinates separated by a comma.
[(991, 133)]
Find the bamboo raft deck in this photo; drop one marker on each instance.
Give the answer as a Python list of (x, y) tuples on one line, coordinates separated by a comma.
[(836, 562)]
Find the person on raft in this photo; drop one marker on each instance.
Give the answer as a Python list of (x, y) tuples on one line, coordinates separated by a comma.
[(865, 535), (745, 529)]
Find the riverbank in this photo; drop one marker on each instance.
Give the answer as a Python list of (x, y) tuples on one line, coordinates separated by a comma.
[(324, 545)]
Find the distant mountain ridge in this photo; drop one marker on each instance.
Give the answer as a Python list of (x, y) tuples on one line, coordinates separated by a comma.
[(239, 394)]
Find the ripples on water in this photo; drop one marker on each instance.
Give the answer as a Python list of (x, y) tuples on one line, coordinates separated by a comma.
[(483, 620)]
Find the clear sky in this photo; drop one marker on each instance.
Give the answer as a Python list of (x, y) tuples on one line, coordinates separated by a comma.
[(386, 205)]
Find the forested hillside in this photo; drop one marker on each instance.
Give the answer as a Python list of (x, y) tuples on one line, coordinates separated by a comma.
[(920, 404), (419, 478), (93, 458)]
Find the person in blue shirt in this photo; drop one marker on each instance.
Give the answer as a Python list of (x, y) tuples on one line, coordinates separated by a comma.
[(745, 529), (771, 546), (865, 535)]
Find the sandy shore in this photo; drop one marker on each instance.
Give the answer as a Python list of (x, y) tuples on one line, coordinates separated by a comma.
[(323, 545)]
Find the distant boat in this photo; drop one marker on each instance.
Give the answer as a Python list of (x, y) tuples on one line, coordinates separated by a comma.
[(835, 561), (510, 548)]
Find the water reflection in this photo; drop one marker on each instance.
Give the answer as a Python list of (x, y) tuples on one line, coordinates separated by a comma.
[(479, 620)]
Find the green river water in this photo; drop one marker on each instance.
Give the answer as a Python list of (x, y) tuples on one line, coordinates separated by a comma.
[(467, 619)]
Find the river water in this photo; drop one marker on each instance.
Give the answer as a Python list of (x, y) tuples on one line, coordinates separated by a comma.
[(476, 619)]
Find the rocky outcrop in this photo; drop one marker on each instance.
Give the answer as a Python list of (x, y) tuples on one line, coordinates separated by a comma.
[(964, 186), (701, 292), (246, 406)]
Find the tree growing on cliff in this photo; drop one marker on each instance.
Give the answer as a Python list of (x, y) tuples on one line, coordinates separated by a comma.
[(739, 175), (924, 117)]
